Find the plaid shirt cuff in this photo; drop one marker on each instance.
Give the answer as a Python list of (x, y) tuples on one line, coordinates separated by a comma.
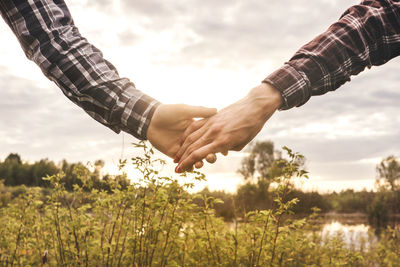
[(293, 84), (137, 114)]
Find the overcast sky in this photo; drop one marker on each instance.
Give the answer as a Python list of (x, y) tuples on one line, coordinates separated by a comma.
[(208, 53)]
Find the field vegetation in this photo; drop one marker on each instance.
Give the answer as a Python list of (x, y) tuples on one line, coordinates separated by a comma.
[(76, 218)]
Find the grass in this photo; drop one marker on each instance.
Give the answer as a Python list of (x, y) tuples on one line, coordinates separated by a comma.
[(155, 222)]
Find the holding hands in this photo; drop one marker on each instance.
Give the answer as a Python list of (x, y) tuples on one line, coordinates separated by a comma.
[(168, 126), (174, 131), (232, 128)]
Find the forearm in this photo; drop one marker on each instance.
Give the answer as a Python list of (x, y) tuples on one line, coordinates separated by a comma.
[(48, 36), (367, 34)]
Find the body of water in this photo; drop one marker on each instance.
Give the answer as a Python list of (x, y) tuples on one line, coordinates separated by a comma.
[(357, 236)]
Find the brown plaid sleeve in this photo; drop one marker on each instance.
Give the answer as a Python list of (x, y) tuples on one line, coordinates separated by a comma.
[(49, 37), (366, 34)]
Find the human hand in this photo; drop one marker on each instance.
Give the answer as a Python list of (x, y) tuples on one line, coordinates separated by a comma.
[(168, 124), (231, 129)]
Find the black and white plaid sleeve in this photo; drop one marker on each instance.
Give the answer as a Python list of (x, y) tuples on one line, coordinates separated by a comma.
[(48, 36), (367, 34)]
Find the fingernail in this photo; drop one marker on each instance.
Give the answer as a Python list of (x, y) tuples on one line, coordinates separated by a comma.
[(178, 169), (176, 159)]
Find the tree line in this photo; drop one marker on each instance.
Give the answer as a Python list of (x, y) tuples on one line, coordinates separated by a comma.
[(15, 172), (259, 168), (262, 165)]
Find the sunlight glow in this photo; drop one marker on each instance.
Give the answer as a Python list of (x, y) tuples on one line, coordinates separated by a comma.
[(177, 63)]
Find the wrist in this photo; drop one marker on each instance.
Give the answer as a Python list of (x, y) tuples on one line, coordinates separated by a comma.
[(266, 96), (152, 128)]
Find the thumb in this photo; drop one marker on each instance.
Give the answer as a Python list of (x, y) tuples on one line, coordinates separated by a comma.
[(199, 112)]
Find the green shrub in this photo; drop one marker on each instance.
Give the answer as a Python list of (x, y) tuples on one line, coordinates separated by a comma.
[(155, 222)]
